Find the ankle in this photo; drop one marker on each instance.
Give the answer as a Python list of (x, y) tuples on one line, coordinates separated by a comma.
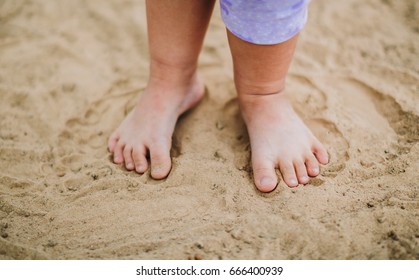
[(172, 73), (260, 105), (251, 87), (269, 97)]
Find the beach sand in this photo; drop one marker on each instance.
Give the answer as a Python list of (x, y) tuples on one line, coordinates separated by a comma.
[(71, 70)]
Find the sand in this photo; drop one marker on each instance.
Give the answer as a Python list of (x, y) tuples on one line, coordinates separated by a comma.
[(71, 70)]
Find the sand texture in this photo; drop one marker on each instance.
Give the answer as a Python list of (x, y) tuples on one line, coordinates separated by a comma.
[(71, 70)]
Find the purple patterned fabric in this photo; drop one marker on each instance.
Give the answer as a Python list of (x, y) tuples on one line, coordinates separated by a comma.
[(264, 22)]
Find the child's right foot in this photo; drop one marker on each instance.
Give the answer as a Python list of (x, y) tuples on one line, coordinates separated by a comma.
[(279, 138), (147, 130)]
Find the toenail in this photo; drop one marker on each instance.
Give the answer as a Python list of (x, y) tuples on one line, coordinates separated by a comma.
[(315, 169), (293, 181), (266, 181), (157, 169), (304, 178), (129, 165)]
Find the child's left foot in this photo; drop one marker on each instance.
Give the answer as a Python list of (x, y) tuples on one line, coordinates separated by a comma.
[(280, 139), (147, 130)]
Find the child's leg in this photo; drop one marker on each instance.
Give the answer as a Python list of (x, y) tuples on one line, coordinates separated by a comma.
[(176, 29), (278, 136)]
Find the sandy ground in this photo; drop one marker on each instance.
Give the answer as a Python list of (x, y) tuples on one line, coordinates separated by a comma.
[(71, 70)]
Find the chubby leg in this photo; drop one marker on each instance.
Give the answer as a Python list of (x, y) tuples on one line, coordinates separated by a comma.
[(279, 138), (176, 30)]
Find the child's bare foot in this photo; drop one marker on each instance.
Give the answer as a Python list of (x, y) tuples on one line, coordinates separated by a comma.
[(147, 130), (279, 138)]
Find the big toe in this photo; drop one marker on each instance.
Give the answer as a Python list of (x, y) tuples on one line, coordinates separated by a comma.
[(160, 161), (264, 174)]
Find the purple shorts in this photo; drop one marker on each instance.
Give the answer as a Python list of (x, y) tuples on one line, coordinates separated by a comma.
[(264, 22)]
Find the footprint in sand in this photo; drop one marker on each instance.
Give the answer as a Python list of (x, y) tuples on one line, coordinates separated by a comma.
[(375, 122), (405, 124), (86, 130), (12, 185)]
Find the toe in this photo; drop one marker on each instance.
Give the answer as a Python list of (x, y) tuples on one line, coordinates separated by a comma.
[(113, 139), (129, 163), (118, 153), (320, 153), (312, 166), (288, 173), (140, 159), (301, 172), (160, 161), (264, 174)]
